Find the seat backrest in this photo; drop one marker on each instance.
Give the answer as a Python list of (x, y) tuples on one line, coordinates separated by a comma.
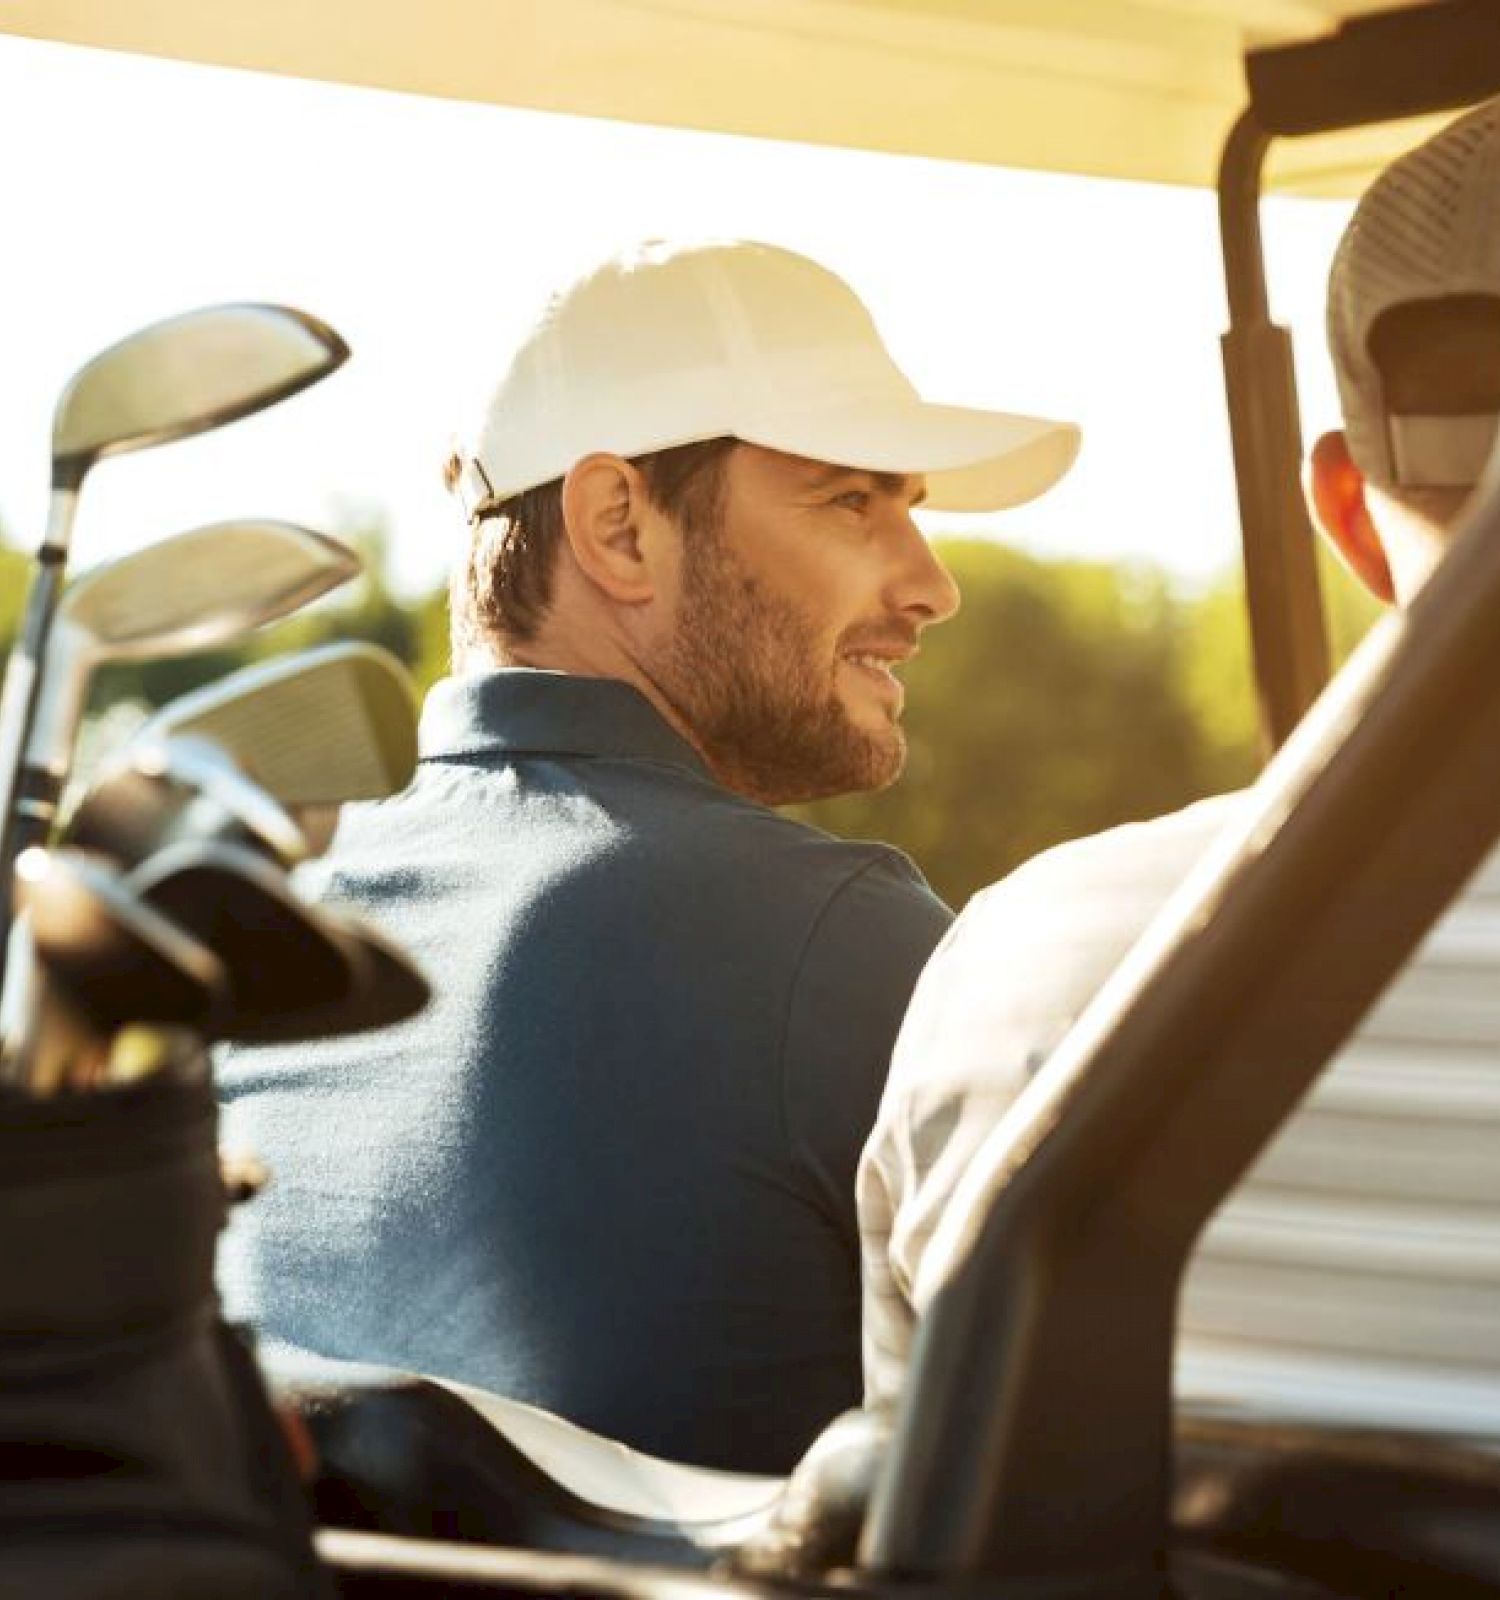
[(1353, 1278), (1360, 1511)]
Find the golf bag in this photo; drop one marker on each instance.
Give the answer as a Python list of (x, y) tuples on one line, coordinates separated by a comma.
[(138, 1452)]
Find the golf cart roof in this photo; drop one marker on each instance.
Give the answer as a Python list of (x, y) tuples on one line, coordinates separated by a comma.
[(1143, 89)]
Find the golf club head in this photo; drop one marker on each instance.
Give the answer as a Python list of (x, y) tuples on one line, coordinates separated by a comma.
[(190, 592), (278, 952), (316, 729), (295, 971), (118, 960), (159, 792), (198, 589), (175, 378), (389, 988), (186, 375)]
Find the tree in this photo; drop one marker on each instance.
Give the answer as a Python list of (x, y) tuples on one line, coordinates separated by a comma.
[(15, 575), (1217, 676)]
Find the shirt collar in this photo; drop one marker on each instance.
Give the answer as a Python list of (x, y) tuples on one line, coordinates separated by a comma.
[(516, 709)]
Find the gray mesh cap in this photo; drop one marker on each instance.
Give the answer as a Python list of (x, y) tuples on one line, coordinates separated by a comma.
[(670, 344), (1428, 229)]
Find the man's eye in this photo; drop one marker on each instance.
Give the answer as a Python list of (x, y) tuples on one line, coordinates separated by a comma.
[(854, 500)]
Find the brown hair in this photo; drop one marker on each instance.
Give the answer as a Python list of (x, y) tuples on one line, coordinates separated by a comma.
[(501, 593)]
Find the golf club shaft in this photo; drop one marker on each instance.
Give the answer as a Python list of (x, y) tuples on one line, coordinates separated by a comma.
[(38, 792), (23, 687), (46, 1042), (61, 1052), (169, 381)]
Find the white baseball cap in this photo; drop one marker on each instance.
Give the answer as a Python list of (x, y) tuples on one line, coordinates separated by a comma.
[(669, 344), (1427, 229)]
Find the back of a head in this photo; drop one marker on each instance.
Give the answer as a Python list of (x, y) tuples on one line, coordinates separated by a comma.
[(1414, 319)]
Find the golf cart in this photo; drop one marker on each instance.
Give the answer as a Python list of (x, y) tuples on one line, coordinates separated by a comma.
[(1023, 1462)]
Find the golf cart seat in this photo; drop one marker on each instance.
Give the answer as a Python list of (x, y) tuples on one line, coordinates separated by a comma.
[(1362, 1511), (405, 1454)]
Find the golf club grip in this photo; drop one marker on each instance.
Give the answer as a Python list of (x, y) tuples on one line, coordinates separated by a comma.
[(17, 712)]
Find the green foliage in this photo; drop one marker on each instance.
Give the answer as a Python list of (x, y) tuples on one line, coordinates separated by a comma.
[(1217, 685), (1217, 681), (14, 577), (431, 659), (1053, 705), (1350, 607)]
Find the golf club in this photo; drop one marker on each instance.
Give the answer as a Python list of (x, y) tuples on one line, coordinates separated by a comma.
[(60, 1051), (388, 989), (178, 377), (159, 791), (99, 960), (295, 971), (316, 729), (143, 1050), (187, 593), (278, 952), (52, 1048)]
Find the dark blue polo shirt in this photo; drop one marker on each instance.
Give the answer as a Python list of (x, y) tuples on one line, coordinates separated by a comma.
[(610, 1170)]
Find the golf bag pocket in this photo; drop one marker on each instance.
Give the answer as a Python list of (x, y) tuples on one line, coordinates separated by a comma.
[(138, 1452)]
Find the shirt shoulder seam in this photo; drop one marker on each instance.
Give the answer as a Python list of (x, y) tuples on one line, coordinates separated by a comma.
[(880, 857)]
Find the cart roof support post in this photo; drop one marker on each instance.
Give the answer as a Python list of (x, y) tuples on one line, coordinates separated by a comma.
[(1288, 635), (1360, 75)]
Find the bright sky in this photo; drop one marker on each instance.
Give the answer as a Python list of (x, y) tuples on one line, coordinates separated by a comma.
[(424, 231)]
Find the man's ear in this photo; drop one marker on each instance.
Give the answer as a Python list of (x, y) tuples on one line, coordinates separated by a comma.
[(603, 499), (1337, 490)]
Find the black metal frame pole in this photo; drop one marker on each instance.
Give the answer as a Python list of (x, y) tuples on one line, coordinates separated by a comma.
[(1282, 590)]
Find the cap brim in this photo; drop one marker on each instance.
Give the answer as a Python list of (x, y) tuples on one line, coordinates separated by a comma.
[(972, 460)]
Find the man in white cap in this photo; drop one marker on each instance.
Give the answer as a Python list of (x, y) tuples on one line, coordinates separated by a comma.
[(611, 1170), (1352, 1277)]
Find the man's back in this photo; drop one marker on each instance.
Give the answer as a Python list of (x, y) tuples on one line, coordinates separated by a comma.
[(610, 1171), (1354, 1275)]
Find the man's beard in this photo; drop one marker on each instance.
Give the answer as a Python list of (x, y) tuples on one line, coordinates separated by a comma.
[(748, 676)]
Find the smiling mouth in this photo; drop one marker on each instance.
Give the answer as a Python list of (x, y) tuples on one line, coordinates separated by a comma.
[(879, 670), (872, 663)]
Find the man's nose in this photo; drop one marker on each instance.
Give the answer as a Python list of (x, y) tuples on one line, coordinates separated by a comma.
[(921, 587)]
